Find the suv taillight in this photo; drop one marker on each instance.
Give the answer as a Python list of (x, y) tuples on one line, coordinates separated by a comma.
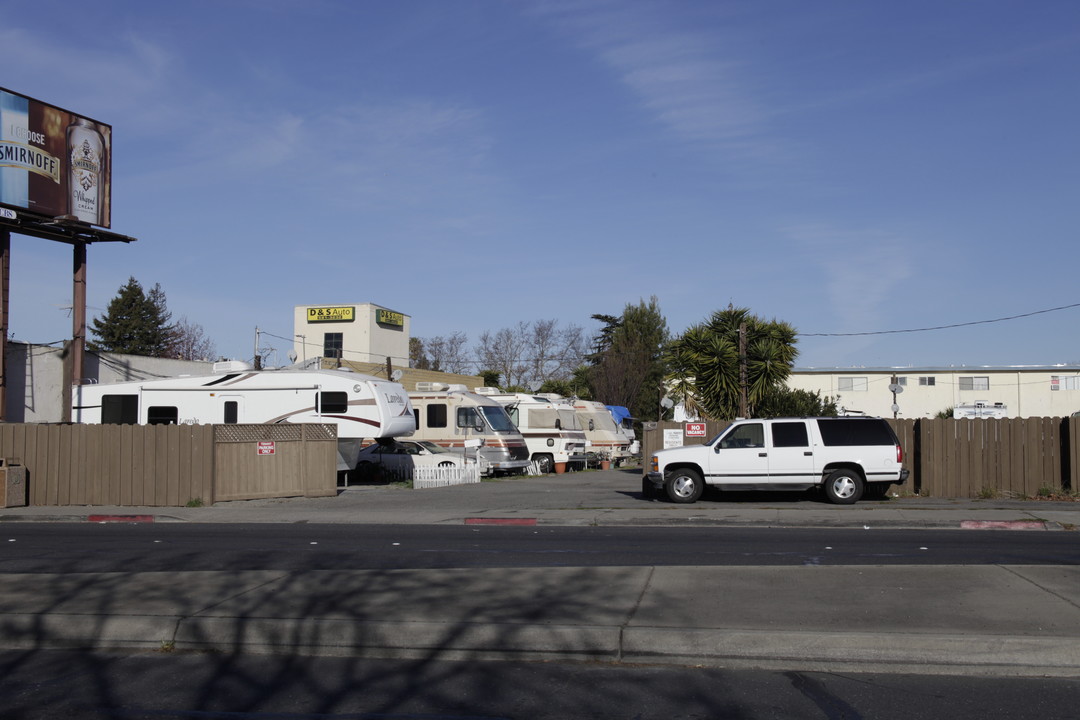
[(899, 454)]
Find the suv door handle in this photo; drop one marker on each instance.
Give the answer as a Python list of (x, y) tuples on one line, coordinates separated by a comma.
[(763, 454), (808, 453)]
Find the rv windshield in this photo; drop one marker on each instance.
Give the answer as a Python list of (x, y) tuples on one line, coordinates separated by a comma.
[(496, 418)]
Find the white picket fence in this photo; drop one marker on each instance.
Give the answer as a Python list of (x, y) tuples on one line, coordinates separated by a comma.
[(429, 477)]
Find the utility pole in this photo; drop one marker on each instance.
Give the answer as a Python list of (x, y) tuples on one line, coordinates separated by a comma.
[(743, 409), (258, 358)]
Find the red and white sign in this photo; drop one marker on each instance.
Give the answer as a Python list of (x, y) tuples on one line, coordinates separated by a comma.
[(267, 447), (695, 429)]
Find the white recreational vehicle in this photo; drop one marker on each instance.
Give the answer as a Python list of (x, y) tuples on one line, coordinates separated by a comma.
[(472, 424), (606, 439), (551, 428), (621, 416), (980, 409), (361, 406)]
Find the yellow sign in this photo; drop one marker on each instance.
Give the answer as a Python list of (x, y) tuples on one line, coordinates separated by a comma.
[(331, 314), (387, 317)]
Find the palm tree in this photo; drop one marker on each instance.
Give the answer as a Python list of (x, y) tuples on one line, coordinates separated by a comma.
[(705, 361)]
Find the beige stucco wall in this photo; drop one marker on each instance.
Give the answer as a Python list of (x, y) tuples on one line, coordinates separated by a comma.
[(1026, 392), (363, 339)]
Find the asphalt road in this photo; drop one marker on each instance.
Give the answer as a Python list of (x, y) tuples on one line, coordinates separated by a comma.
[(131, 547)]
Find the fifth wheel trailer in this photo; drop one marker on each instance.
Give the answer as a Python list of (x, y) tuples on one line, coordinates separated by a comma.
[(361, 406)]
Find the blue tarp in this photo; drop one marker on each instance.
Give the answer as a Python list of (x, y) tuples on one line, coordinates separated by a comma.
[(619, 413)]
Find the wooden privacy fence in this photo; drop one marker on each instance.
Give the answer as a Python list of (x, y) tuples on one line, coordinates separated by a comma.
[(171, 465), (961, 458)]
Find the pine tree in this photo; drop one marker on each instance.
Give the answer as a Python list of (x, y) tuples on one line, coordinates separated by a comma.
[(135, 323)]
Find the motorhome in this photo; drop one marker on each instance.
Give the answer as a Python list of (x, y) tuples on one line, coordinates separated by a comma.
[(361, 406), (606, 439), (621, 416), (471, 424), (551, 429)]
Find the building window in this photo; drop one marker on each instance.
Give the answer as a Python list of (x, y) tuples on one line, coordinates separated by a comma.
[(927, 381), (851, 384), (975, 383), (901, 381), (1058, 382), (332, 344)]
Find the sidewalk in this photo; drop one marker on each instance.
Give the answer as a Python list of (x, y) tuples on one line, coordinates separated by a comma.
[(984, 620)]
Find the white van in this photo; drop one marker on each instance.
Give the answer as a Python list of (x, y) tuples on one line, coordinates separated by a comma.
[(551, 429), (845, 456)]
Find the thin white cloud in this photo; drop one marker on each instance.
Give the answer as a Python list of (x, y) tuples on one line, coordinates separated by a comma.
[(680, 74)]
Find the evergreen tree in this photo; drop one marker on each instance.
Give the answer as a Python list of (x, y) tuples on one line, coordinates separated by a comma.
[(135, 323), (782, 401), (628, 367)]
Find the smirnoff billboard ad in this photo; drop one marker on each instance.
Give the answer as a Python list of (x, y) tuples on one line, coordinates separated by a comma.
[(53, 162)]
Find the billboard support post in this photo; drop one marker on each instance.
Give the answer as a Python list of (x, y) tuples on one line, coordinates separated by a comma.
[(78, 312), (5, 277)]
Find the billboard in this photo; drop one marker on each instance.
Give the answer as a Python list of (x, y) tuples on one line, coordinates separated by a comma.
[(54, 162)]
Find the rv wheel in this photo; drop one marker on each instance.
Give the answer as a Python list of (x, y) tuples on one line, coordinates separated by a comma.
[(545, 464)]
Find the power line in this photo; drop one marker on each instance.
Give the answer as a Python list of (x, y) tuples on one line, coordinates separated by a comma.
[(943, 327)]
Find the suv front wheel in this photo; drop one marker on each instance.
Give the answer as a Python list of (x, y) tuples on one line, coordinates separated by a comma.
[(844, 487), (684, 485)]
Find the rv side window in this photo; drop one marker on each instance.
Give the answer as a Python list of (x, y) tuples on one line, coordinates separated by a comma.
[(232, 411), (120, 409), (513, 413), (436, 416), (332, 402), (468, 417), (161, 415)]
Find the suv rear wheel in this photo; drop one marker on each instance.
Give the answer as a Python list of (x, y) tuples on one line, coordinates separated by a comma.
[(844, 487), (684, 485)]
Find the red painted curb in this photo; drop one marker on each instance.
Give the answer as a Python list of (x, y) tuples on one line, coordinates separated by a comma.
[(120, 518), (1003, 525), (500, 521)]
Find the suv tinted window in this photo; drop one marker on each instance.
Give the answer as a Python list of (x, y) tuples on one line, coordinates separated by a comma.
[(789, 434), (751, 435), (855, 431)]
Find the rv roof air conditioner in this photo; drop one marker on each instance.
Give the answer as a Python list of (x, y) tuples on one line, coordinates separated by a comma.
[(431, 386), (231, 366), (486, 391)]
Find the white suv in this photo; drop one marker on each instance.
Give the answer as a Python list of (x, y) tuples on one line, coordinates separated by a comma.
[(846, 456)]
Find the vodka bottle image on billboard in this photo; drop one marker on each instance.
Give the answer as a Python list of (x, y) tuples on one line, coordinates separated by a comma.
[(86, 168)]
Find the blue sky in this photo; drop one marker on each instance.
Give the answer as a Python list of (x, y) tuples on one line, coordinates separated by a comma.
[(847, 167)]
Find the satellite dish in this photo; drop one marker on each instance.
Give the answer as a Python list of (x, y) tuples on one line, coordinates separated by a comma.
[(292, 356), (535, 385), (396, 375), (667, 403)]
